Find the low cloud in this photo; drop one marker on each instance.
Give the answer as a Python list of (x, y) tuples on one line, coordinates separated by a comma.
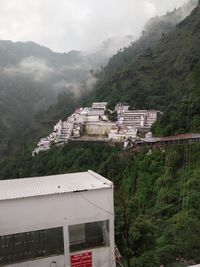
[(78, 88), (38, 69), (80, 25)]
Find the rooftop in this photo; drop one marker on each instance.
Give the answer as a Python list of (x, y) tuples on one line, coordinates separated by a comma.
[(50, 185)]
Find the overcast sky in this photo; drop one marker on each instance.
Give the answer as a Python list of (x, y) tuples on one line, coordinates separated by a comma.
[(63, 25)]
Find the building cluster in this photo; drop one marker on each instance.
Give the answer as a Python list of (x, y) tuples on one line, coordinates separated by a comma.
[(94, 122), (131, 122), (73, 126)]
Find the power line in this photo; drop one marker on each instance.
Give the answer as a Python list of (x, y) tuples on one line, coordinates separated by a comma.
[(95, 205), (170, 205)]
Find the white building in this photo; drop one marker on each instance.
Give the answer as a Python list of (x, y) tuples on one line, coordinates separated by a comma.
[(96, 112), (120, 135), (98, 109), (99, 105), (93, 118), (57, 221), (44, 142), (99, 128), (43, 145), (121, 108), (77, 131), (39, 149), (142, 119), (63, 131)]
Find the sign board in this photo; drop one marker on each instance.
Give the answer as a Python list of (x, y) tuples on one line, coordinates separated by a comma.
[(81, 260)]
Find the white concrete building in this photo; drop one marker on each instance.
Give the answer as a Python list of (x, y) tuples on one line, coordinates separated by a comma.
[(84, 111), (120, 135), (39, 149), (76, 131), (99, 105), (44, 142), (121, 108), (99, 128), (92, 118), (56, 221), (142, 119), (43, 145), (96, 112), (64, 131), (97, 109)]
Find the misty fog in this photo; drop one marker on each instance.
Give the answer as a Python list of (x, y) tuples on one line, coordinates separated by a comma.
[(77, 25)]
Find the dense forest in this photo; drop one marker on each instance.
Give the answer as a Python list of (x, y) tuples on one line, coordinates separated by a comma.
[(157, 196)]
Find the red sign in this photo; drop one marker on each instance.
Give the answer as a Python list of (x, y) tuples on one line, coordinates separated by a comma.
[(82, 260)]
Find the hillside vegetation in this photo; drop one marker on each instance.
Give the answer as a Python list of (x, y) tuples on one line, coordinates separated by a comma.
[(157, 196), (160, 76), (30, 80)]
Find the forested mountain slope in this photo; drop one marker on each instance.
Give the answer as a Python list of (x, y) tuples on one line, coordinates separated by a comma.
[(160, 76), (156, 196), (31, 77), (154, 29)]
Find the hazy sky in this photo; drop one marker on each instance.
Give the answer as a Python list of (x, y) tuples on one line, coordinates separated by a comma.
[(63, 25)]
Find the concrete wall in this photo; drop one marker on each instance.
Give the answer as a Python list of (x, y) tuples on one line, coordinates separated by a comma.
[(99, 128), (31, 214), (56, 261)]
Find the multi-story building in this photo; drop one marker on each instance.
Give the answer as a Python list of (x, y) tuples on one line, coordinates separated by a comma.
[(139, 118), (121, 108)]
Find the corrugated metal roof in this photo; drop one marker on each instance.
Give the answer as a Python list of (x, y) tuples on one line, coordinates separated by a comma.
[(49, 185)]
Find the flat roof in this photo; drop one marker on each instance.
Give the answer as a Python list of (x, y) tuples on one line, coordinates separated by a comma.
[(50, 185)]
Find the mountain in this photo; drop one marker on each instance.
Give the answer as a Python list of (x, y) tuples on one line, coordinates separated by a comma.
[(153, 72), (156, 191), (163, 75), (154, 29), (32, 76), (160, 76)]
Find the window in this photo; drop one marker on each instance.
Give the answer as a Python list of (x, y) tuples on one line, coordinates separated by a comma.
[(88, 235), (31, 245)]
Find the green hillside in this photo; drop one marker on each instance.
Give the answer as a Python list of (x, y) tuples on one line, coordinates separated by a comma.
[(154, 29), (157, 196), (161, 75), (30, 80)]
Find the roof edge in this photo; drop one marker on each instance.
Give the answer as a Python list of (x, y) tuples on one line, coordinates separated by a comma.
[(101, 178)]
